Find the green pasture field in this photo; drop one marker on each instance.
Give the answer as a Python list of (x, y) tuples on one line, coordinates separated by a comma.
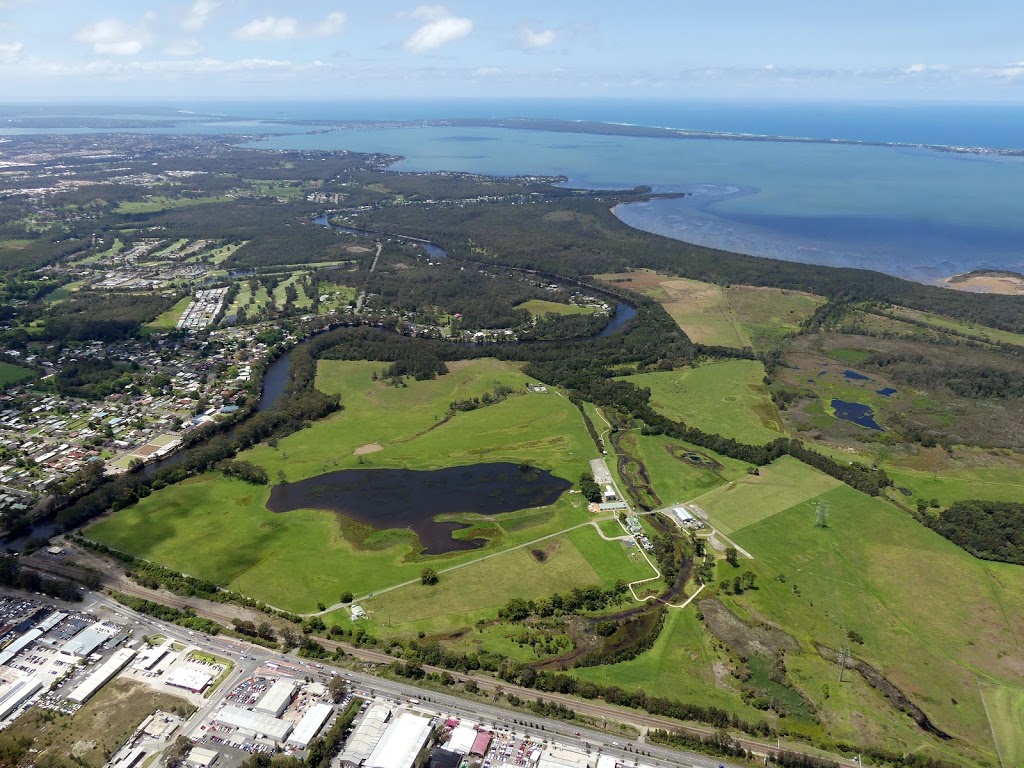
[(932, 618), (579, 558), (167, 321), (12, 374), (676, 481), (345, 294), (681, 665), (728, 398), (766, 315), (994, 483), (162, 203), (1005, 708), (219, 528), (539, 308), (781, 485)]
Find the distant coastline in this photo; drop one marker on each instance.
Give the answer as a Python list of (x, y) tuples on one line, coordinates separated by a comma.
[(633, 131)]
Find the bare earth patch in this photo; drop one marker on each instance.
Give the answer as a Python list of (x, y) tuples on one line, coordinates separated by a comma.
[(358, 249), (1004, 284), (368, 448)]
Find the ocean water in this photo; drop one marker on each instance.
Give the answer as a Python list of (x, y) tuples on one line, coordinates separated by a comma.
[(912, 212)]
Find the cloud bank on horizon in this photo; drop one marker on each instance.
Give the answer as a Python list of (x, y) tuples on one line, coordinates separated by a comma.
[(938, 50)]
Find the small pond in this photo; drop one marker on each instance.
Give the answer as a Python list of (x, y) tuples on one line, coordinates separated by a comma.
[(411, 499), (861, 415), (855, 376), (886, 391)]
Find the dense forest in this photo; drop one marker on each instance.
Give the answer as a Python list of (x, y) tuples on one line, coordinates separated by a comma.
[(991, 530), (582, 237)]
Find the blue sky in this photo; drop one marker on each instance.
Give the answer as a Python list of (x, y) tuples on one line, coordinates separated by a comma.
[(855, 50)]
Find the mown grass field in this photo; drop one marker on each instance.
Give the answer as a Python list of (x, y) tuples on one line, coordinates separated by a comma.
[(784, 484), (1005, 708), (167, 321), (728, 398), (540, 307), (932, 618), (960, 326), (991, 483), (219, 528), (162, 203), (12, 374)]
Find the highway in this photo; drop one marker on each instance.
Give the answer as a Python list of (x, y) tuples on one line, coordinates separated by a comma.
[(249, 657)]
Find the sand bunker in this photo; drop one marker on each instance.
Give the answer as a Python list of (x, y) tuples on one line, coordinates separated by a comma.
[(368, 448)]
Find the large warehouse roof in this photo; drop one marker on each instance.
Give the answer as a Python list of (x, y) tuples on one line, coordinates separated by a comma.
[(276, 700), (254, 722), (99, 677), (400, 743), (366, 735), (310, 724)]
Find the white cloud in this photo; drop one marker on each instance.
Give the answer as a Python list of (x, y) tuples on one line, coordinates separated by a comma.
[(199, 14), (487, 71), (9, 51), (923, 69), (441, 28), (116, 37), (1006, 72), (189, 47), (538, 38), (288, 28)]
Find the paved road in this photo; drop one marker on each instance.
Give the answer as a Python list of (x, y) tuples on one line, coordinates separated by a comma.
[(373, 268)]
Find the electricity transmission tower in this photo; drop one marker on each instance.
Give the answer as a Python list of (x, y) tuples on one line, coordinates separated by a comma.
[(821, 514)]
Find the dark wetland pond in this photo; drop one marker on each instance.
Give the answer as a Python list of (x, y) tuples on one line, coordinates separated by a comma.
[(412, 499), (861, 415)]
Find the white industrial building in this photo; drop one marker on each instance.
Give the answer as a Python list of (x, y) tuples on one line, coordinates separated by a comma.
[(276, 700), (462, 739), (85, 642), (201, 758), (365, 736), (401, 742), (189, 679), (254, 723), (310, 724), (16, 693), (101, 675), (20, 644)]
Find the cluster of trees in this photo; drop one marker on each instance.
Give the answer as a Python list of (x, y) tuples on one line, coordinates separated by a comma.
[(591, 490), (720, 743), (93, 378), (13, 575), (103, 316), (991, 530), (499, 393), (244, 470), (576, 600), (987, 381), (184, 618)]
